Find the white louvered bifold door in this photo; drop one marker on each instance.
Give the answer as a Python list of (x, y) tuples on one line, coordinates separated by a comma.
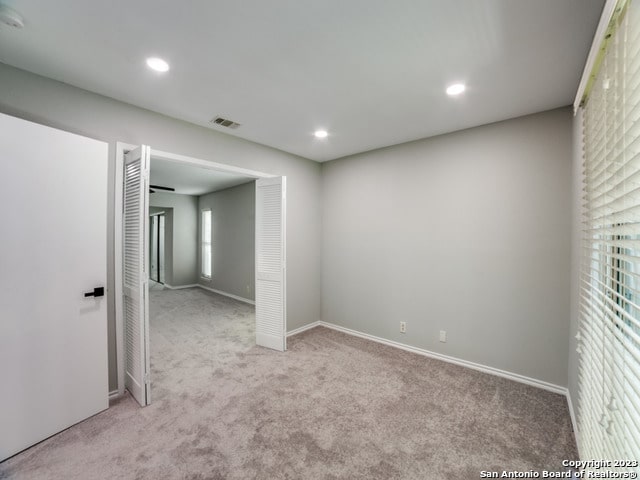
[(135, 275), (270, 263)]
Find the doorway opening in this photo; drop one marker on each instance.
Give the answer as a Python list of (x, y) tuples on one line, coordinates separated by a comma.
[(204, 315), (136, 171)]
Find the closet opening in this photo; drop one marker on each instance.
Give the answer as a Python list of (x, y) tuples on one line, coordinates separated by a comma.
[(185, 283)]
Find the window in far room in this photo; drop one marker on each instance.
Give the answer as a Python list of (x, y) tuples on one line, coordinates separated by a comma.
[(205, 242)]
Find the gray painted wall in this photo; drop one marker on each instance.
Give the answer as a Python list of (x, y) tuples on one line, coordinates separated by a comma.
[(467, 232), (62, 106), (181, 255), (233, 214)]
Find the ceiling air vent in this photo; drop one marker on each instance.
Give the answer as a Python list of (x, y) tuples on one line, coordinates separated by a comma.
[(223, 122)]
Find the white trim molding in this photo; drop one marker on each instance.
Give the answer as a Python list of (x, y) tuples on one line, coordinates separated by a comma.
[(230, 295), (598, 38), (303, 328), (574, 422), (180, 287), (457, 361), (121, 148), (113, 394), (196, 162)]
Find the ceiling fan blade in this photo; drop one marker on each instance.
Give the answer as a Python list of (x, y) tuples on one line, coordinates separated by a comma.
[(158, 187)]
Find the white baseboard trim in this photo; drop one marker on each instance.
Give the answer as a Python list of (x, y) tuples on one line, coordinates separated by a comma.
[(457, 361), (179, 287), (574, 422), (304, 328), (230, 295), (113, 394)]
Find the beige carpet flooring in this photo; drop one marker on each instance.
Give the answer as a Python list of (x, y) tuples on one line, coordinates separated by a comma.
[(331, 407)]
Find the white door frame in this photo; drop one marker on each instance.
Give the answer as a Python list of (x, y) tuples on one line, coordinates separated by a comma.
[(121, 149)]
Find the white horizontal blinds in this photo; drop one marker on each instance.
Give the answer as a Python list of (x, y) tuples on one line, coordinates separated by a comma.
[(609, 336), (270, 263), (206, 241), (135, 241)]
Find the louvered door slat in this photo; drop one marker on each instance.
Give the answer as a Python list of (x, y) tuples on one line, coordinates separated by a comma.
[(135, 240), (270, 263)]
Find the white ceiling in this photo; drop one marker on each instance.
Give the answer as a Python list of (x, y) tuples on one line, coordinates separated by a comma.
[(371, 72), (189, 180)]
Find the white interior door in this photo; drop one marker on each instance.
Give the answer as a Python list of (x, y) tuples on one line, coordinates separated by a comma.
[(135, 273), (271, 311), (53, 338)]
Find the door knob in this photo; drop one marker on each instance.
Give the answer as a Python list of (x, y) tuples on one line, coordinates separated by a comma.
[(97, 292)]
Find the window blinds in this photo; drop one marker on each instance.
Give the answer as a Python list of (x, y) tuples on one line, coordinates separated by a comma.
[(609, 335)]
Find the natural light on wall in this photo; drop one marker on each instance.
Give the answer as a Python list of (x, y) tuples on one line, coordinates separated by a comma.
[(205, 242), (609, 337)]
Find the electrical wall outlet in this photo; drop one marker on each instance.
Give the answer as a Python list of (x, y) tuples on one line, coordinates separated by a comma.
[(443, 336), (403, 327)]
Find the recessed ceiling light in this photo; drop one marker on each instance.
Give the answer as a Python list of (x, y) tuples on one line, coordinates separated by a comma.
[(157, 64), (455, 89), (321, 133)]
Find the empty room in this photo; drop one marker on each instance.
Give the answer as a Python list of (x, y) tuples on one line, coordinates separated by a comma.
[(201, 221), (337, 240)]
